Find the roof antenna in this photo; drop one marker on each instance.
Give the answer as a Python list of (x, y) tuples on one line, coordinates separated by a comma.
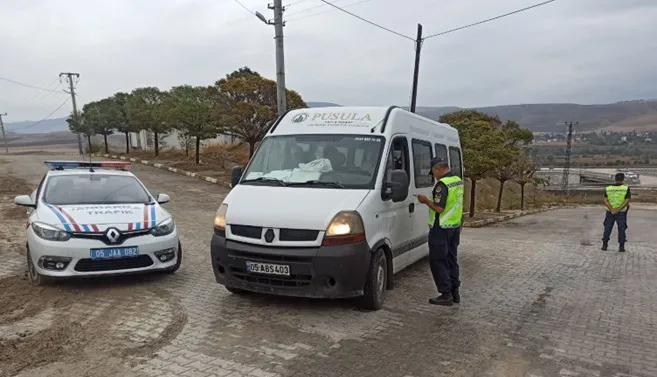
[(91, 166)]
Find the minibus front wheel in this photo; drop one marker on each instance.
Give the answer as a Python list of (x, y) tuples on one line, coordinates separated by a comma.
[(376, 283)]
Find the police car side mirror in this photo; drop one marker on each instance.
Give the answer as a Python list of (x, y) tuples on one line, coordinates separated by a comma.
[(397, 187), (163, 198), (25, 201), (235, 175)]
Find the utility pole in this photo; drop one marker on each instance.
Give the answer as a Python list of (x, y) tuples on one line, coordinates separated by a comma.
[(69, 76), (416, 72), (4, 137), (280, 52), (566, 164)]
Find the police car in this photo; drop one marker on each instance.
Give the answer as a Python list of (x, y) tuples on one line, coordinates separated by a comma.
[(96, 218)]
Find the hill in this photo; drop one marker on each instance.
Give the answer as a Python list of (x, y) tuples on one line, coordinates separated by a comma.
[(619, 117), (321, 104), (31, 127)]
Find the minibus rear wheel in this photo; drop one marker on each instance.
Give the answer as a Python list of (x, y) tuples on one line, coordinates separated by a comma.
[(375, 285)]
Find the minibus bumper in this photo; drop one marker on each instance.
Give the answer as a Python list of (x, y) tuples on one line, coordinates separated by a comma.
[(315, 272)]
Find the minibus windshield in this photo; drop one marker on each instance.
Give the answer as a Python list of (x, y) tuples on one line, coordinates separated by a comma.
[(322, 161)]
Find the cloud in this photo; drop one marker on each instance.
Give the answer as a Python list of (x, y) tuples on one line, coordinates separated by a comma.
[(585, 51)]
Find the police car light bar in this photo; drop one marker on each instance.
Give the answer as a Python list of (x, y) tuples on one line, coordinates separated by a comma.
[(60, 165)]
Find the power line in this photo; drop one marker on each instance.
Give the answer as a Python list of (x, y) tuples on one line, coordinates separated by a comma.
[(47, 116), (368, 21), (295, 3), (29, 86), (244, 6), (311, 8), (43, 91), (490, 19), (326, 11), (437, 34)]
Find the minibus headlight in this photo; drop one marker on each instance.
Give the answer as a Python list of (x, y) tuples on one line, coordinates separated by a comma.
[(345, 228), (220, 218)]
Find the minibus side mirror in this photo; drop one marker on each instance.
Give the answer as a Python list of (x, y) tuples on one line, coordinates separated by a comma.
[(397, 187), (235, 175)]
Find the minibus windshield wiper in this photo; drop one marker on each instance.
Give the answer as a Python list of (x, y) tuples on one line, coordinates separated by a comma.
[(265, 179), (317, 183)]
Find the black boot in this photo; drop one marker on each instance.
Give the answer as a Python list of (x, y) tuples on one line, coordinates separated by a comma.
[(443, 300), (604, 246), (456, 296), (621, 248)]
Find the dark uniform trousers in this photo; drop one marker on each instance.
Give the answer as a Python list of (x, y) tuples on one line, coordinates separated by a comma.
[(621, 220), (443, 249)]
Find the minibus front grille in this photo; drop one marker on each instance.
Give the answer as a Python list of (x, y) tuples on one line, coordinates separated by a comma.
[(247, 231), (285, 234), (298, 235)]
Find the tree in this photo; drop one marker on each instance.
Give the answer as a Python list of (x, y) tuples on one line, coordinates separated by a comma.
[(195, 109), (82, 123), (107, 115), (184, 140), (123, 123), (146, 110), (527, 169), (471, 115), (510, 159), (252, 105), (476, 130)]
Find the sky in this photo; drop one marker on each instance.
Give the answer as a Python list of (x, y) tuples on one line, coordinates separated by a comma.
[(575, 51)]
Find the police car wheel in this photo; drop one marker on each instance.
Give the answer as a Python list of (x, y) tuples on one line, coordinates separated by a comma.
[(178, 262), (33, 275), (375, 285)]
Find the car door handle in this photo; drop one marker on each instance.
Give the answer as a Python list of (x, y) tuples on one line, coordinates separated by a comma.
[(411, 207)]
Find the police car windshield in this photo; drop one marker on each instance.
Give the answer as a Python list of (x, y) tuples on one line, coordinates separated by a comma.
[(318, 161), (94, 188)]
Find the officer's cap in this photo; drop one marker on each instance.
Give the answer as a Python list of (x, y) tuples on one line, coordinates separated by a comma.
[(620, 177), (437, 161)]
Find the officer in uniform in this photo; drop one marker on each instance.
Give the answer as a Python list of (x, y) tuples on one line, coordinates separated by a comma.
[(444, 231), (617, 200)]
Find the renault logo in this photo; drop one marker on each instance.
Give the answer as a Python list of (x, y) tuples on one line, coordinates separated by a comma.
[(112, 235), (269, 235)]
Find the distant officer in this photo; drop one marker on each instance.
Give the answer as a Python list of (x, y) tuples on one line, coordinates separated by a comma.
[(617, 200), (444, 231)]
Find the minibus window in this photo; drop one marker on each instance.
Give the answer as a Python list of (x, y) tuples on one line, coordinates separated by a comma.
[(455, 161), (398, 158), (441, 151), (422, 155), (343, 161)]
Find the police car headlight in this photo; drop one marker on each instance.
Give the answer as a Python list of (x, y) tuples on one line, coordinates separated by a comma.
[(220, 217), (50, 233), (165, 227), (345, 228)]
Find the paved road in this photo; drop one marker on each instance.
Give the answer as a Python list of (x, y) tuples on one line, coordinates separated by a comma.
[(535, 303)]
